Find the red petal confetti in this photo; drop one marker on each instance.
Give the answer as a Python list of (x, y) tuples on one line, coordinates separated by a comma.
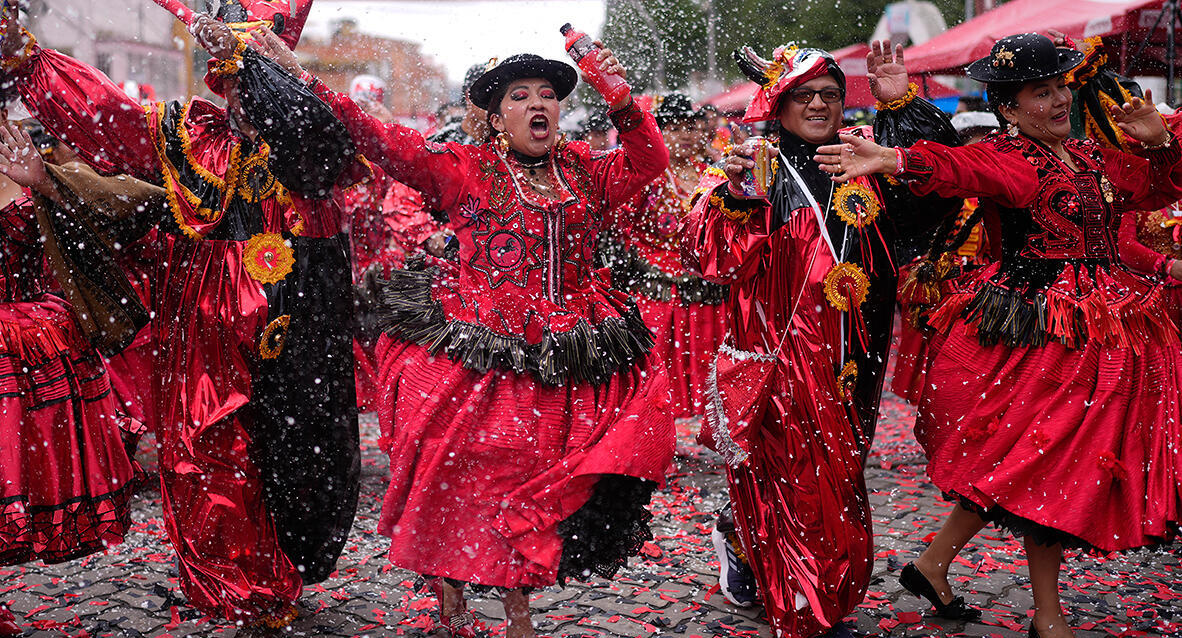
[(669, 591)]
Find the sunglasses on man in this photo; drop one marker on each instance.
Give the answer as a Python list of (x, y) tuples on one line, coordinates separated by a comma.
[(829, 95)]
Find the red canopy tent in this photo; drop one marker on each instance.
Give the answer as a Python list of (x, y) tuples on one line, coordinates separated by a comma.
[(852, 60), (1131, 20)]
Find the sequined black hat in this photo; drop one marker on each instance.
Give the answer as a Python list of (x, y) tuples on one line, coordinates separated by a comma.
[(561, 76), (1022, 58)]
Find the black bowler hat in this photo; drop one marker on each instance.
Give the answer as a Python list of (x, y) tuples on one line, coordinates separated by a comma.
[(561, 76), (675, 107), (1022, 58)]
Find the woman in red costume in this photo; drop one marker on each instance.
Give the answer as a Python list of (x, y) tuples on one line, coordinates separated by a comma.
[(1151, 243), (684, 311), (812, 280), (255, 411), (65, 477), (526, 428), (1055, 406)]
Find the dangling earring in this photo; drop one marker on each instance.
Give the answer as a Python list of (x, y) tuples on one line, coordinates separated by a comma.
[(1012, 129), (561, 143), (502, 142)]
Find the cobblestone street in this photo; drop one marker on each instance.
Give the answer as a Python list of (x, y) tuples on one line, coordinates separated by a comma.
[(131, 591)]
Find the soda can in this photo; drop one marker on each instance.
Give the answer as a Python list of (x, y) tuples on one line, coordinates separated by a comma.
[(757, 181)]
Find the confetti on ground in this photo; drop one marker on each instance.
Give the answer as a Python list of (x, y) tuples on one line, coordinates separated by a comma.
[(131, 591)]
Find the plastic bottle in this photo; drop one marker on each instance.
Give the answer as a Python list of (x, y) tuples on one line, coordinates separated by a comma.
[(583, 51)]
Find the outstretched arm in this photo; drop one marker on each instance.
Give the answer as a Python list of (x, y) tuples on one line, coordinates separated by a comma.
[(976, 170), (81, 107), (401, 152)]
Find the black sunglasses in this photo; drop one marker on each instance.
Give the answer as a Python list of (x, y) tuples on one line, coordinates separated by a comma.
[(829, 95)]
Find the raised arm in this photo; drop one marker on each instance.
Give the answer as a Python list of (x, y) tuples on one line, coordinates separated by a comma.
[(435, 170), (83, 108), (403, 153), (1153, 178), (641, 158)]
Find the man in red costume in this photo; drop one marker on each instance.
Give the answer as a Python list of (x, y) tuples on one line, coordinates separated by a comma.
[(255, 411), (796, 388)]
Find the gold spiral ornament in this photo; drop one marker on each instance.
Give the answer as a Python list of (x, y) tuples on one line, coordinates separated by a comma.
[(268, 258), (846, 286), (856, 204)]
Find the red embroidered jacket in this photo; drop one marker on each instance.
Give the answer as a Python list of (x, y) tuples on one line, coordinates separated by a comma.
[(1059, 277), (526, 296)]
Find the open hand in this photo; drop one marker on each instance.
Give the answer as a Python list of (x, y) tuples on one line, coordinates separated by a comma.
[(854, 157), (19, 159), (886, 72), (1140, 120), (264, 40)]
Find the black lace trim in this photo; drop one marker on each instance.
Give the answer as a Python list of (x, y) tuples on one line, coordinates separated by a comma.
[(627, 118), (635, 275), (1043, 535), (612, 526), (583, 354), (66, 531)]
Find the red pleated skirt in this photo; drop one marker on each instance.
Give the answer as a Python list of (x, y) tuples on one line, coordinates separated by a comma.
[(687, 338), (65, 477), (484, 466), (1080, 446), (911, 361)]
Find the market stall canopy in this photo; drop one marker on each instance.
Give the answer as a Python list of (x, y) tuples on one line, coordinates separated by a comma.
[(950, 51), (852, 60)]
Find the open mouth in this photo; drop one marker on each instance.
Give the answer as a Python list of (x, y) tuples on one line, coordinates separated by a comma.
[(539, 127), (1059, 118), (817, 118)]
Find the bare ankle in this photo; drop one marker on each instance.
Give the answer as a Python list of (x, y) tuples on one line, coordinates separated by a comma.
[(519, 623), (452, 601)]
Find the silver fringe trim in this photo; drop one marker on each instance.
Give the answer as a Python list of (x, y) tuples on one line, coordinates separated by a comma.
[(716, 417)]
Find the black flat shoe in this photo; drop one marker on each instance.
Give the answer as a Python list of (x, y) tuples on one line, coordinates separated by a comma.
[(913, 581)]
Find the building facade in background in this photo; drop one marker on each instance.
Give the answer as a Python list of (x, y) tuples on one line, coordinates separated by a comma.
[(136, 41), (417, 85), (129, 40)]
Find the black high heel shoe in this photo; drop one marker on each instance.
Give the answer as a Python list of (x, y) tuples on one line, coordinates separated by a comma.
[(913, 581)]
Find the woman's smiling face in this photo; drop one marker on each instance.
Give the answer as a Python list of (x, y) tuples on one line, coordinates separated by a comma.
[(1042, 110), (528, 115)]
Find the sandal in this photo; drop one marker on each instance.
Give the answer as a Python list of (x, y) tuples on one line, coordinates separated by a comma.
[(459, 625), (914, 581)]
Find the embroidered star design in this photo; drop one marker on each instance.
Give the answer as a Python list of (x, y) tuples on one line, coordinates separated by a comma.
[(506, 250)]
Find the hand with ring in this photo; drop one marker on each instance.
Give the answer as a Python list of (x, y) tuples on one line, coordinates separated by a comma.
[(854, 157)]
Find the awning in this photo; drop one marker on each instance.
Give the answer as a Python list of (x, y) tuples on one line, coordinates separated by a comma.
[(950, 51)]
